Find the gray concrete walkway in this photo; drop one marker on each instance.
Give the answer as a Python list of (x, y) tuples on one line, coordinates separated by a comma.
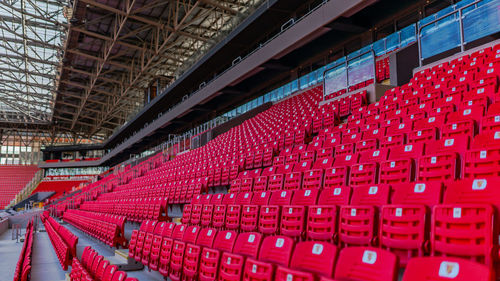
[(45, 265), (9, 255)]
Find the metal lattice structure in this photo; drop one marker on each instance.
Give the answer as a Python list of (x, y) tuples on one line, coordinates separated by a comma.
[(32, 32), (115, 49)]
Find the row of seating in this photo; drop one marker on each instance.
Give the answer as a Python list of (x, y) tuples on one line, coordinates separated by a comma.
[(94, 267), (23, 267), (194, 253), (107, 228), (63, 241), (397, 164), (397, 218), (135, 210)]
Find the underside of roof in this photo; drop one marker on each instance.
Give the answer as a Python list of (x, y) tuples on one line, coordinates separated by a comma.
[(31, 36), (115, 50)]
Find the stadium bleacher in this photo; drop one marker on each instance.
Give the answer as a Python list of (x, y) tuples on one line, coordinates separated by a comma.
[(356, 184)]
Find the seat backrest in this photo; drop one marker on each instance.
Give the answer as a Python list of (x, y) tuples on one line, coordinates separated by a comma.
[(281, 197), (450, 144), (109, 272), (248, 244), (414, 151), (335, 196), (261, 198), (426, 193), (191, 234), (305, 197), (160, 227), (229, 199), (487, 139), (276, 249), (445, 269), (476, 191), (316, 257), (179, 231), (376, 155), (206, 237), (225, 240), (243, 198), (373, 195), (358, 263), (168, 229)]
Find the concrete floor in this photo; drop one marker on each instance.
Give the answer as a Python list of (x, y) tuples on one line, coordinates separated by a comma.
[(9, 255), (45, 265)]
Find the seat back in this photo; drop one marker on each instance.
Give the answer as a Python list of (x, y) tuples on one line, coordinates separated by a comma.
[(276, 249), (445, 269), (366, 263)]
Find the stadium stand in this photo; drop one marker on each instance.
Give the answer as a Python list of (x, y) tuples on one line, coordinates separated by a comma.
[(9, 185), (375, 179), (23, 267)]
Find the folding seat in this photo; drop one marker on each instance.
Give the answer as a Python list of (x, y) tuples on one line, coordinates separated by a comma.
[(324, 153), (162, 230), (464, 122), (375, 133), (205, 199), (426, 130), (110, 272), (366, 172), (310, 261), (250, 213), (229, 199), (483, 159), (292, 158), (267, 158), (177, 256), (401, 166), (149, 228), (166, 248), (233, 216), (206, 215), (466, 226), (366, 145), (191, 263), (366, 263), (210, 257), (315, 145), (275, 250), (390, 141), (358, 221), (332, 141), (336, 177), (313, 179), (491, 122), (243, 198), (293, 215), (260, 184), (275, 182), (344, 149), (217, 199), (258, 159), (405, 224), (235, 185), (247, 246), (148, 241), (269, 215), (134, 237), (322, 218), (442, 160), (246, 185), (445, 269), (309, 155), (196, 211)]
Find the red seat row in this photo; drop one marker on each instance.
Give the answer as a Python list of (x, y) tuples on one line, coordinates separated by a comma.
[(94, 267), (23, 267), (194, 253), (63, 241), (107, 228)]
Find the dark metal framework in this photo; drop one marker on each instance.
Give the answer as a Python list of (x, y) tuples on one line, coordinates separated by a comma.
[(116, 49)]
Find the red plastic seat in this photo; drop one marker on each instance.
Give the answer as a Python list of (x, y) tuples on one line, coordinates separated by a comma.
[(210, 257), (206, 238), (232, 264), (275, 250), (445, 269), (310, 261), (366, 263)]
